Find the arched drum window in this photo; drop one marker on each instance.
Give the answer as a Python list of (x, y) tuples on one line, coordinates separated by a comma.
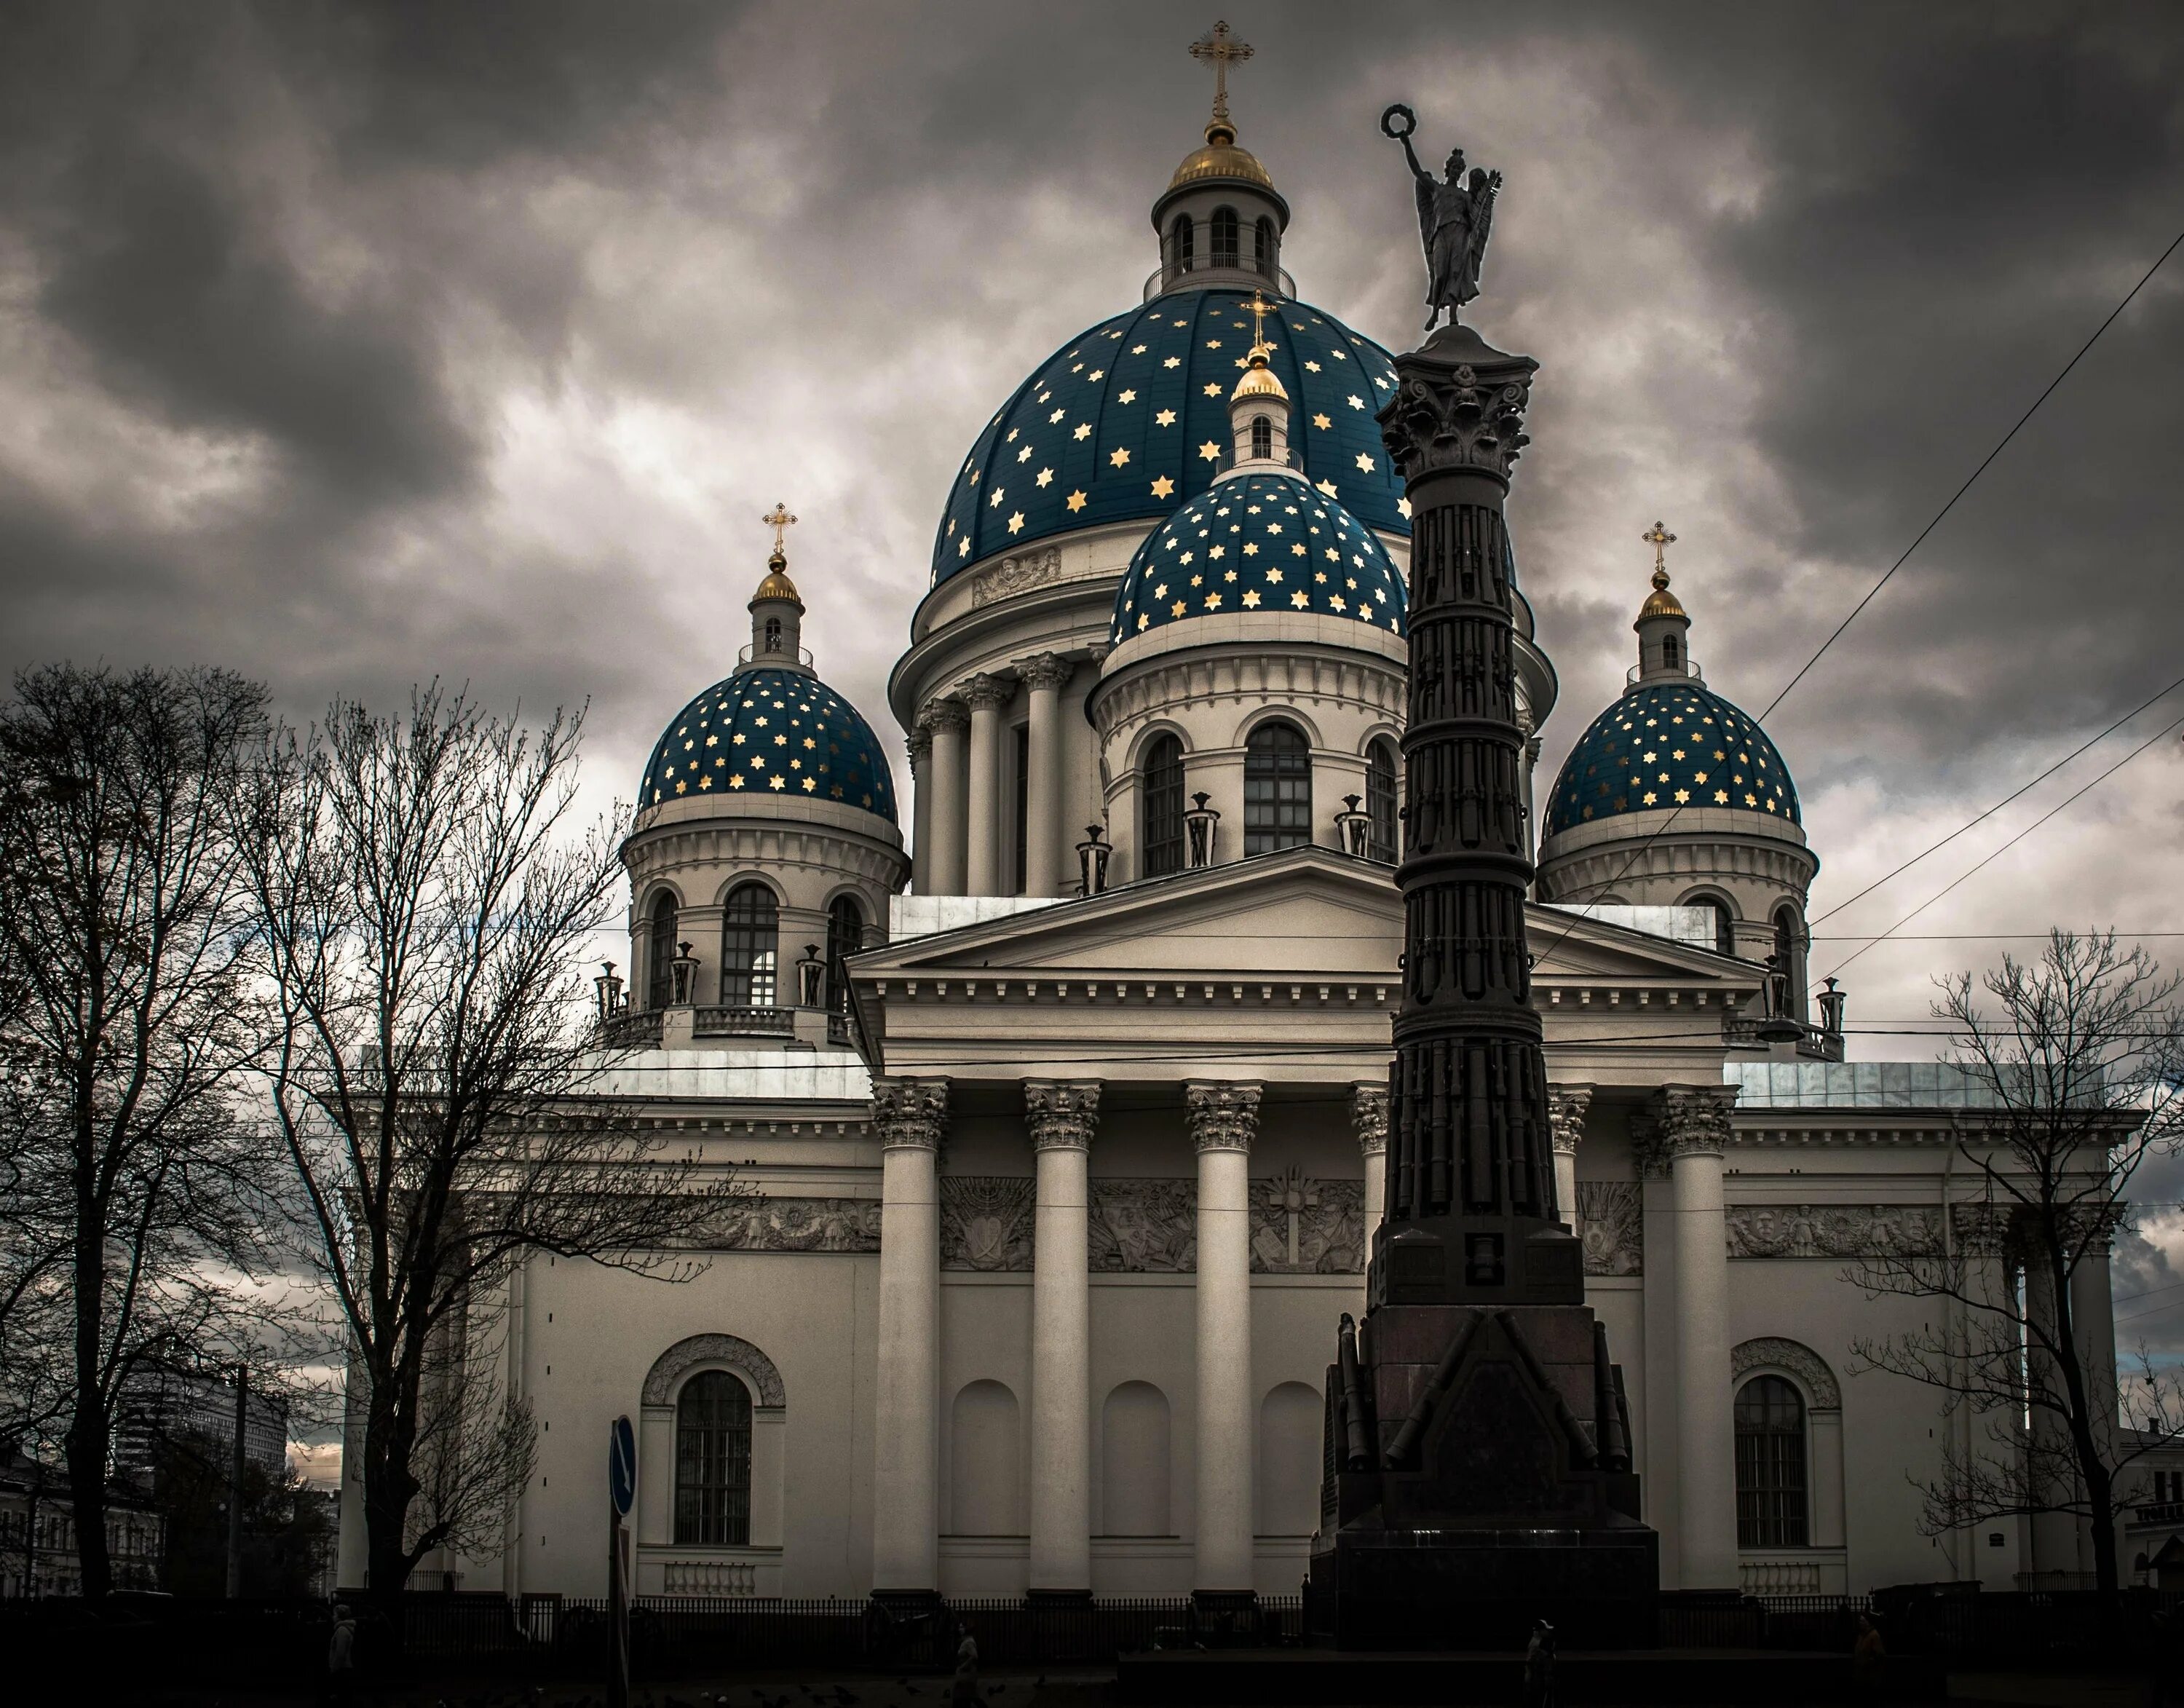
[(1224, 237), (1263, 438), (713, 1462), (1381, 842), (1771, 1505), (750, 943), (1180, 242), (1277, 789), (1160, 784), (1262, 246), (845, 935), (660, 955)]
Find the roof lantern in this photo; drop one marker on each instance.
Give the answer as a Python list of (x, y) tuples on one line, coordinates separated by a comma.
[(1220, 220)]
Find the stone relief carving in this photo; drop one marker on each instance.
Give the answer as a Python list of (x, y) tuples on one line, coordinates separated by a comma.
[(1611, 1222), (1368, 1118), (1833, 1230), (1566, 1107), (1304, 1226), (1799, 1359), (985, 1221), (685, 1355), (1144, 1226), (1017, 573), (793, 1225)]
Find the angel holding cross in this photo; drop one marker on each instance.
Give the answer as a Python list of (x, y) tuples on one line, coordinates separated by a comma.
[(1454, 215)]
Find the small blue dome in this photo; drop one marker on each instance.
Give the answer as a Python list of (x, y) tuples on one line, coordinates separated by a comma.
[(1668, 745), (770, 732), (1259, 542), (1116, 424)]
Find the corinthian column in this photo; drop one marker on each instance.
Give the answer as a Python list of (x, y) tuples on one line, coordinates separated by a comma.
[(1224, 1118), (910, 1115), (1061, 1118), (1045, 676), (920, 831), (987, 695), (1692, 1127), (1566, 1107), (948, 720), (1368, 1119)]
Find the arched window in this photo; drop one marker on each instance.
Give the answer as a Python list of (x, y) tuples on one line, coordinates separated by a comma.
[(773, 634), (1262, 436), (1790, 949), (1181, 239), (1262, 246), (1161, 782), (713, 1461), (1671, 653), (1724, 922), (1381, 842), (1770, 1465), (750, 944), (845, 935), (1276, 790), (1224, 237), (660, 955)]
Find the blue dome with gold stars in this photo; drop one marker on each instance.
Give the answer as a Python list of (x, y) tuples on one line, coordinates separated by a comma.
[(1130, 420), (771, 732), (1666, 745), (1259, 542)]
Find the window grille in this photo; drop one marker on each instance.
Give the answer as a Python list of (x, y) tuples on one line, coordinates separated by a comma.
[(1382, 842), (1224, 237), (713, 1462), (1262, 436), (845, 935), (1161, 780), (750, 946), (1770, 1465), (1276, 790), (659, 959)]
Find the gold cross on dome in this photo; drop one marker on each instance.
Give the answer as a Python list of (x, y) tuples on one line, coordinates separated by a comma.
[(780, 522), (1217, 47), (1260, 308), (1660, 539)]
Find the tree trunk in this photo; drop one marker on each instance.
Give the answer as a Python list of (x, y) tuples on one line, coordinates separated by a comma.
[(87, 1430)]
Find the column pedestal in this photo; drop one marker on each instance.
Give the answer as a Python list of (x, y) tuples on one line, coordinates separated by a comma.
[(912, 1115), (1224, 1118), (1061, 1118)]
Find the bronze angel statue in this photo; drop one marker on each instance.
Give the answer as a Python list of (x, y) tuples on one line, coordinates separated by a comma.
[(1454, 215)]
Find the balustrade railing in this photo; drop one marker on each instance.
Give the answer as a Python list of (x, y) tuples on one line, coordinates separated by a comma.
[(744, 1021)]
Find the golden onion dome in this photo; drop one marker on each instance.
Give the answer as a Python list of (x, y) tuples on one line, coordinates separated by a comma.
[(1661, 602), (1220, 158), (1259, 380), (777, 585)]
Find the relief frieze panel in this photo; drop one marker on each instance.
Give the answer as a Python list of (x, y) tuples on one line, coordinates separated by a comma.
[(1611, 1227), (985, 1222), (756, 1224), (1833, 1230)]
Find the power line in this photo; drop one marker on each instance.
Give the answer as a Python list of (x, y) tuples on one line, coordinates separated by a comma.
[(1972, 936), (1676, 811), (1973, 823), (2157, 735)]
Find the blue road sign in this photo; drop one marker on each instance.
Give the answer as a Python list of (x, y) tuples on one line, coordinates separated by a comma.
[(621, 1465)]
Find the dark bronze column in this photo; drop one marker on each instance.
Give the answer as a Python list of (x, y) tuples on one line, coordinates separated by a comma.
[(1471, 1216)]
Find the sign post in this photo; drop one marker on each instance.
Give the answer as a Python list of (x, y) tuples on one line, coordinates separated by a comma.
[(621, 1494)]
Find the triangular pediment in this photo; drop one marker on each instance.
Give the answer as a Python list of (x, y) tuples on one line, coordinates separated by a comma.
[(1304, 912)]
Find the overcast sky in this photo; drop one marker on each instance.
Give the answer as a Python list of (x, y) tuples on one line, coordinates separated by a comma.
[(351, 346)]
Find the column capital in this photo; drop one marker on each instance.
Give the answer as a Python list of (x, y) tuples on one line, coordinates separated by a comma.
[(919, 744), (985, 691), (1045, 670), (1459, 403), (1224, 1114), (1566, 1107), (911, 1115), (1683, 1121), (943, 714), (1368, 1118), (1062, 1114)]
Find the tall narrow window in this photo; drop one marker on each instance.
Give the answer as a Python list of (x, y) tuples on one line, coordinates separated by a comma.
[(1276, 790), (1262, 436), (1262, 246), (1161, 783), (660, 955), (1724, 924), (1022, 809), (713, 1462), (1770, 1465), (1181, 239), (1380, 837), (1672, 654), (1224, 237), (845, 935), (750, 944), (1790, 951), (773, 634)]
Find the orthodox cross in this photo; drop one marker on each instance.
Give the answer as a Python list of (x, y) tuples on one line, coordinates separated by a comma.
[(1260, 308), (1660, 539), (1216, 47), (780, 522)]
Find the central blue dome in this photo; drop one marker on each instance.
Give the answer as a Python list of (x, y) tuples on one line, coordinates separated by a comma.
[(1117, 424), (770, 732), (1259, 543), (1669, 745)]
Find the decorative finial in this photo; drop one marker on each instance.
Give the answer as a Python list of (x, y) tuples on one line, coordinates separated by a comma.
[(780, 522), (1217, 46), (1660, 539), (1260, 308)]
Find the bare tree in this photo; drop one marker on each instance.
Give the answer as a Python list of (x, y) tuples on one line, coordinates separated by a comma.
[(438, 1083), (2077, 1066), (134, 1199)]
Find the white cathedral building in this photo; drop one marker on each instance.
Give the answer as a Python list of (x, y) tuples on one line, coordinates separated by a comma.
[(1062, 1105)]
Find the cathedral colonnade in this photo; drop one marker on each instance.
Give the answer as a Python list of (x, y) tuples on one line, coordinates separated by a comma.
[(966, 790), (1062, 1126)]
